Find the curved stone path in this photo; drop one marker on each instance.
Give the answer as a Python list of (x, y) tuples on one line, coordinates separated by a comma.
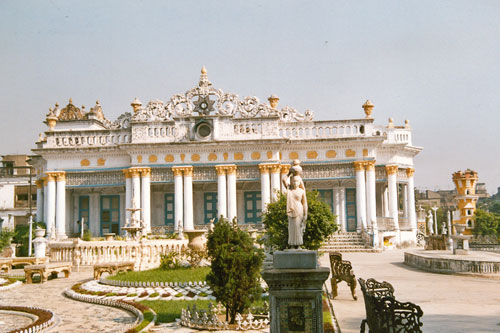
[(71, 316)]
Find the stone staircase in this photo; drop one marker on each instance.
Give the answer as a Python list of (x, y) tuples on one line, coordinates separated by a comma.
[(346, 242)]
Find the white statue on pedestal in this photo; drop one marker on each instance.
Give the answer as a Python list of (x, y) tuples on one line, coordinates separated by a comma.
[(430, 222), (296, 207)]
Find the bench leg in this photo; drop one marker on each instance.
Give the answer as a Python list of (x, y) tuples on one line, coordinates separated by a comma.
[(66, 274), (334, 287), (362, 328), (352, 285), (43, 277), (29, 278)]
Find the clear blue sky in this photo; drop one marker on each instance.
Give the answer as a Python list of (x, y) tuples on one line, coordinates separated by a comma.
[(436, 63)]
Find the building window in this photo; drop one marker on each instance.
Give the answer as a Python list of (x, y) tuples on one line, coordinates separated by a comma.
[(169, 208), (350, 208), (110, 214), (470, 223), (83, 212), (327, 197), (253, 207), (210, 207)]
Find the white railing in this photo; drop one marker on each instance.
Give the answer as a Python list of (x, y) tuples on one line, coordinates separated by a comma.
[(326, 129), (87, 139), (145, 253)]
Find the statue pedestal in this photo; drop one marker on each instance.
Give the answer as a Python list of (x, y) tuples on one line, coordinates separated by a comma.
[(295, 288)]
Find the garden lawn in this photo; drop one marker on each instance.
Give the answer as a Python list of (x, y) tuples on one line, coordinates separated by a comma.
[(168, 311), (160, 275)]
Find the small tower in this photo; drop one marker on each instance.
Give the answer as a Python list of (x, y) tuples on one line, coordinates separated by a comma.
[(465, 182)]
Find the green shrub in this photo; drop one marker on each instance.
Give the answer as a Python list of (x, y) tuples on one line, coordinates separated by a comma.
[(21, 237), (170, 260), (487, 224), (320, 223), (87, 235), (235, 269), (6, 236)]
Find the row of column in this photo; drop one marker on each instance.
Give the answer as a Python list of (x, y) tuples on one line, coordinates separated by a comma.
[(366, 196), (51, 207), (226, 191), (138, 195), (270, 181)]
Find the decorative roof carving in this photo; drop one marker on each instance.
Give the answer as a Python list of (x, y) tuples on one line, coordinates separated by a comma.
[(70, 112), (206, 100)]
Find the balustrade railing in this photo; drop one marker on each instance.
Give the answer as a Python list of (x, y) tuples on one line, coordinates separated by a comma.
[(304, 130), (145, 253), (88, 139)]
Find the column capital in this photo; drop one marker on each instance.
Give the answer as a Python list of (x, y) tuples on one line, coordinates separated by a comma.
[(231, 169), (220, 169), (370, 165), (391, 169), (145, 172), (410, 172), (39, 183), (285, 168), (264, 168), (51, 176), (275, 168), (134, 172), (359, 165), (188, 171), (177, 170), (126, 173)]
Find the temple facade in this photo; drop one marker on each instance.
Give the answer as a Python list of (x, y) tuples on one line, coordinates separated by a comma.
[(207, 153)]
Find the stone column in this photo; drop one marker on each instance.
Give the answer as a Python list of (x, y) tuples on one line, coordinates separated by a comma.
[(275, 181), (146, 198), (128, 194), (45, 203), (231, 192), (405, 200), (342, 212), (51, 204), (188, 198), (265, 185), (61, 205), (221, 191), (392, 171), (385, 197), (412, 215), (39, 200), (336, 206), (179, 201), (136, 192), (359, 166), (371, 203)]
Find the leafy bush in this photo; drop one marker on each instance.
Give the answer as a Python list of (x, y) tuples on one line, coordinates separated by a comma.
[(487, 224), (320, 222), (236, 264), (87, 235), (6, 238), (170, 260), (21, 237)]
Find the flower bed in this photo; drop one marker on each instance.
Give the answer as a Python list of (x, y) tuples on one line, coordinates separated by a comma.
[(45, 318)]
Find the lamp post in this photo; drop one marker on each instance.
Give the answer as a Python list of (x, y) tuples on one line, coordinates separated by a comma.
[(435, 208), (30, 235)]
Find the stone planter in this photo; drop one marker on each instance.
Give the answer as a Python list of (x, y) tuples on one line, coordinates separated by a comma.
[(195, 239), (39, 232)]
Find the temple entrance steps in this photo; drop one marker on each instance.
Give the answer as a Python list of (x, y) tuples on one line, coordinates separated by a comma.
[(346, 242)]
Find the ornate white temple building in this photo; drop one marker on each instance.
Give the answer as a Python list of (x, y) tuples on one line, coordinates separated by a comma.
[(207, 153)]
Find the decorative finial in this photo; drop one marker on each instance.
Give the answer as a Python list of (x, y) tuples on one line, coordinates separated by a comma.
[(204, 78), (70, 100), (368, 107), (273, 101), (391, 123), (97, 102), (203, 70), (136, 104), (407, 124)]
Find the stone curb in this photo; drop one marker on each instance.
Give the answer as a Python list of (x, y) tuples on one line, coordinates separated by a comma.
[(11, 285), (37, 328)]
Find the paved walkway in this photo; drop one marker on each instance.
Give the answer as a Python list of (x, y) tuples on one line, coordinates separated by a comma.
[(451, 303), (71, 315)]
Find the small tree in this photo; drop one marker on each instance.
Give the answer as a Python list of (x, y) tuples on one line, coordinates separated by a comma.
[(320, 222), (236, 265), (487, 224)]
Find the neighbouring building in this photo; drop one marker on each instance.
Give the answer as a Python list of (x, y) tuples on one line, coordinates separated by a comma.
[(207, 153), (466, 199), (15, 190)]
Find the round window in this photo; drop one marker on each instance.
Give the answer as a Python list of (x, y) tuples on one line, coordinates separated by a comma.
[(204, 130)]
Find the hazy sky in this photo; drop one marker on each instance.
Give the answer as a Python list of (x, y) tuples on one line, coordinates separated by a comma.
[(436, 63)]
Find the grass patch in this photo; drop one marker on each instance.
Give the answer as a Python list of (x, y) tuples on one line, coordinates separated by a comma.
[(168, 311), (183, 274)]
